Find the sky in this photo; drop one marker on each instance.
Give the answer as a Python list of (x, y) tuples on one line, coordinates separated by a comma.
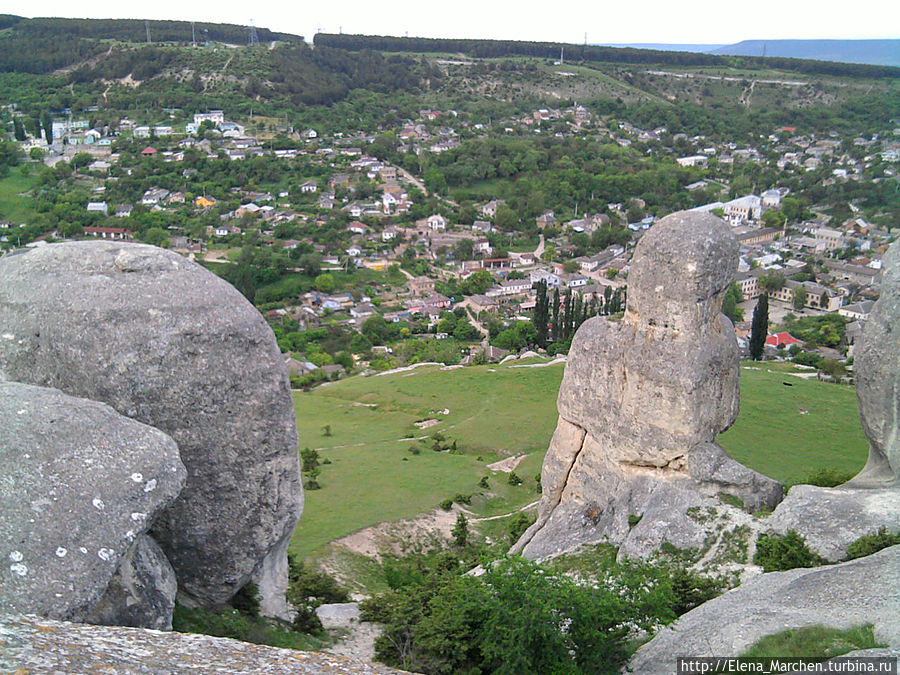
[(635, 21)]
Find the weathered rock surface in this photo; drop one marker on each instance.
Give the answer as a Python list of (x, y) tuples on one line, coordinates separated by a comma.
[(30, 644), (858, 592), (642, 401), (142, 591), (830, 519), (168, 343), (79, 485), (877, 369)]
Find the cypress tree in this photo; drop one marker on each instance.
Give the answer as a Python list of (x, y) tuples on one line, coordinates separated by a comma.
[(48, 128), (759, 328), (18, 129), (542, 313), (554, 329)]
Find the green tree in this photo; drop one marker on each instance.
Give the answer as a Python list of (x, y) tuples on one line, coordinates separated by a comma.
[(460, 530), (324, 283), (542, 313), (505, 218), (773, 218), (48, 128), (729, 303), (800, 297), (18, 129), (759, 328)]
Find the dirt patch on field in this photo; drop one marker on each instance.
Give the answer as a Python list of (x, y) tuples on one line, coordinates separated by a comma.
[(507, 465), (396, 537)]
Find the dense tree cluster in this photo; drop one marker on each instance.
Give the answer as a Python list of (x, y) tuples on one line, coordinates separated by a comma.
[(594, 53)]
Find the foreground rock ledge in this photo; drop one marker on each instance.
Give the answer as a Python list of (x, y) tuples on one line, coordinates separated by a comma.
[(31, 644), (839, 596), (166, 342)]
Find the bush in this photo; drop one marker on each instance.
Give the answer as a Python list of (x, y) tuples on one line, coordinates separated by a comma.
[(312, 585), (483, 482), (246, 600), (827, 477), (872, 543), (514, 479), (633, 519), (447, 504), (515, 618), (776, 553), (691, 590), (518, 524), (307, 621)]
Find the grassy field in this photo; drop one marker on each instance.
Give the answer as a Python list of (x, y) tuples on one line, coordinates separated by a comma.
[(14, 206), (497, 411)]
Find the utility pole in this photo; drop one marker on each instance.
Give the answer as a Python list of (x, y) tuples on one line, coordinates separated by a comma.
[(193, 35), (147, 27)]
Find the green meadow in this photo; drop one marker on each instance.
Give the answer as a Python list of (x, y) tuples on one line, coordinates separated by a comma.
[(497, 411)]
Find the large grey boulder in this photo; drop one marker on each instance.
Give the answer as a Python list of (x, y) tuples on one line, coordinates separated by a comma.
[(877, 369), (32, 645), (830, 519), (643, 399), (142, 591), (842, 596), (166, 342), (79, 485)]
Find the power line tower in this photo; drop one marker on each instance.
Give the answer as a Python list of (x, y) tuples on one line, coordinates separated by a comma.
[(147, 27), (254, 38)]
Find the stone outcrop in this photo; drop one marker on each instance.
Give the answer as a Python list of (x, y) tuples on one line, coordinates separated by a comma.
[(842, 596), (877, 371), (830, 519), (643, 399), (33, 645), (167, 343), (79, 486), (142, 591)]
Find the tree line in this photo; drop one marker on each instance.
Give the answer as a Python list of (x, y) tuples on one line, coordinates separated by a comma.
[(596, 53)]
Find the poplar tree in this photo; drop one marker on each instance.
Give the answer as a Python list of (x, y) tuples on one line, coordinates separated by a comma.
[(759, 328)]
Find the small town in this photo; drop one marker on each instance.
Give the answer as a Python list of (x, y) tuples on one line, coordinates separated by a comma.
[(368, 258)]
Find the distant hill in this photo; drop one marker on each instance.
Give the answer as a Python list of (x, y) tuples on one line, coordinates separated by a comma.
[(876, 52), (872, 52), (667, 47)]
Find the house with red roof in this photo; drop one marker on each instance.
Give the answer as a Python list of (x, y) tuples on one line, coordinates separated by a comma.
[(782, 340)]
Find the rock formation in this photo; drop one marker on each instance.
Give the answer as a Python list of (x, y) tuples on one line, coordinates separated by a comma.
[(167, 343), (830, 519), (839, 596), (642, 401), (877, 369), (79, 486), (32, 645)]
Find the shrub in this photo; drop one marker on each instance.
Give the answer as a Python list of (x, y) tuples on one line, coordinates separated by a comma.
[(414, 450), (776, 553), (307, 621), (872, 543), (514, 479), (827, 477), (483, 482), (447, 504), (518, 524), (633, 519), (463, 499), (691, 590), (309, 583), (246, 600)]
